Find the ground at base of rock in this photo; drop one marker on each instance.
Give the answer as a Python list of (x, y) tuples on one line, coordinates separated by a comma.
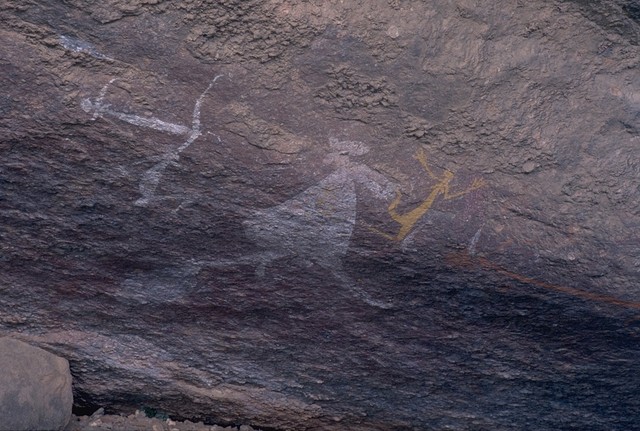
[(140, 422)]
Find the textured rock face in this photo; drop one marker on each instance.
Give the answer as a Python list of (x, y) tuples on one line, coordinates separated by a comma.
[(328, 215), (35, 388)]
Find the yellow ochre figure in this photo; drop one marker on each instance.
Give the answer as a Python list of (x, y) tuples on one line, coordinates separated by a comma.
[(408, 220)]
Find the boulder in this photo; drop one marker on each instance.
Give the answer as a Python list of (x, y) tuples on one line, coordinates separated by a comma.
[(35, 388)]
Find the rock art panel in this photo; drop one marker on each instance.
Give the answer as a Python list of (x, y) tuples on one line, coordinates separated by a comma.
[(283, 282)]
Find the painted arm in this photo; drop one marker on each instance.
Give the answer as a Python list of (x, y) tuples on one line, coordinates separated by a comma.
[(374, 181), (476, 184)]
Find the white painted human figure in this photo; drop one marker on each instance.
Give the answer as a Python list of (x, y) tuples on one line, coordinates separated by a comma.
[(316, 225), (151, 178)]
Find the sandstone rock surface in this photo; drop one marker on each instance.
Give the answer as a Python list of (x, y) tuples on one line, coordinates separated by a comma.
[(364, 215), (35, 388)]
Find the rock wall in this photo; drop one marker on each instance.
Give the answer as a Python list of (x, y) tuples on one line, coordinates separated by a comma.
[(325, 215)]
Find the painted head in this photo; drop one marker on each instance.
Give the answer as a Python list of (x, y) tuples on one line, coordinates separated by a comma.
[(342, 151), (348, 148)]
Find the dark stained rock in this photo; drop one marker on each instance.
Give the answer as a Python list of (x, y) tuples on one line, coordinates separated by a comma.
[(366, 214), (35, 388)]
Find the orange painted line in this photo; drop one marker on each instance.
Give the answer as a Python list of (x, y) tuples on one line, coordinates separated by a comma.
[(465, 260), (409, 219)]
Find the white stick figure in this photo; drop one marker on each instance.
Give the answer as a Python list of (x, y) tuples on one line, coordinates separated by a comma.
[(316, 225), (151, 178)]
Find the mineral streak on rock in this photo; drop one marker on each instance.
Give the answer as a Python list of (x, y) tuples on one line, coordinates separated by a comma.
[(364, 215)]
